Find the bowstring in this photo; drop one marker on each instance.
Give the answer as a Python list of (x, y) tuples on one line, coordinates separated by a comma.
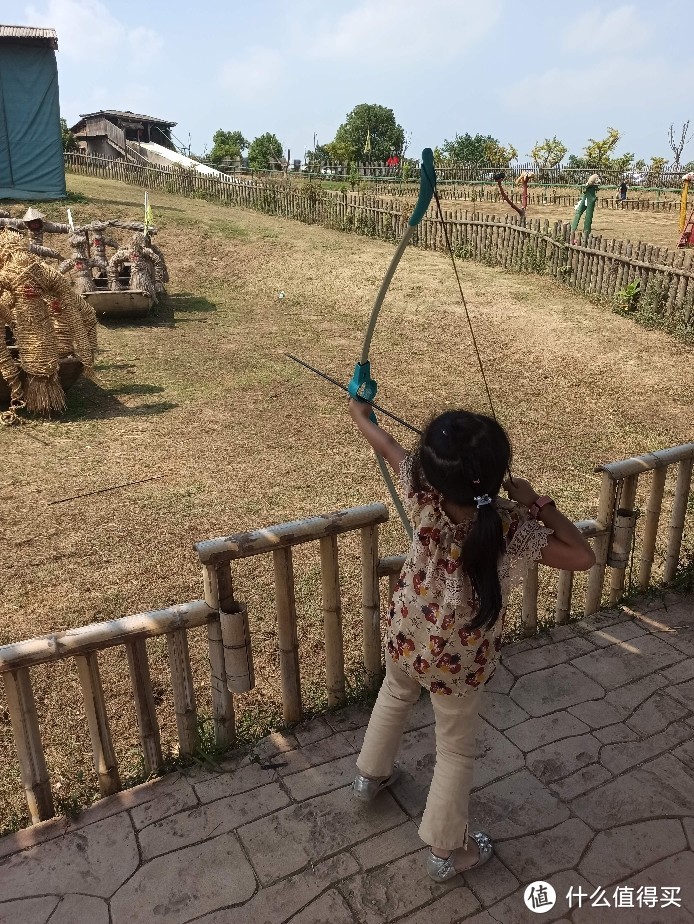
[(462, 295)]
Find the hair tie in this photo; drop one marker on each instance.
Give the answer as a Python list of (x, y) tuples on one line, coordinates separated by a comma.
[(482, 500)]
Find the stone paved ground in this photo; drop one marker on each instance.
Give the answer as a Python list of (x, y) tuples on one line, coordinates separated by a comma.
[(586, 780)]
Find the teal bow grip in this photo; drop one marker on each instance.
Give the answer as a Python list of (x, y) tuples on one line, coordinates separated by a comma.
[(427, 184), (362, 387)]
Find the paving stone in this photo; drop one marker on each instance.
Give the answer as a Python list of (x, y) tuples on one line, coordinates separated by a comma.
[(338, 745), (483, 918), (249, 774), (174, 794), (625, 850), (614, 666), (688, 825), (584, 779), (621, 632), (560, 758), (535, 732), (517, 805), (78, 908), (417, 757), (677, 870), (501, 711), (597, 713), (188, 883), (685, 752), (547, 656), (559, 633), (540, 855), (496, 756), (329, 907), (391, 891), (620, 757), (655, 715), (681, 639), (210, 819), (278, 903), (315, 780), (95, 860), (391, 845), (678, 673), (611, 734), (635, 915), (601, 620), (502, 680), (28, 910), (445, 910), (349, 718), (491, 882), (513, 910), (627, 698), (553, 689), (355, 738), (311, 730), (661, 787), (280, 844), (274, 744), (683, 693)]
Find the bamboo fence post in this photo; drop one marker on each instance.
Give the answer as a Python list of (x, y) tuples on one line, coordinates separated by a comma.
[(287, 635), (332, 621), (145, 710), (371, 609), (562, 610), (99, 731), (219, 595), (679, 512), (27, 738), (655, 500), (622, 537), (183, 691), (529, 606), (601, 545)]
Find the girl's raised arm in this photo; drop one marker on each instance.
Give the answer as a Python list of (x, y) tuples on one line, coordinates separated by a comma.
[(382, 443)]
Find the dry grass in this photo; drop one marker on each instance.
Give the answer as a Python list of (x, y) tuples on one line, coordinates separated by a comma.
[(203, 393)]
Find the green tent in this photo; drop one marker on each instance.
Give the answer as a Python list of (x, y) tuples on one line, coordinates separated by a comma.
[(31, 147)]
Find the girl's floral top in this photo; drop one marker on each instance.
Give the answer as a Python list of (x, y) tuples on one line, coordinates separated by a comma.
[(433, 604)]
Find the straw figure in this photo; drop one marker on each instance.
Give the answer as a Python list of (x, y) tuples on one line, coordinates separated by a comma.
[(149, 233), (145, 267), (35, 223), (99, 241), (48, 321), (82, 263)]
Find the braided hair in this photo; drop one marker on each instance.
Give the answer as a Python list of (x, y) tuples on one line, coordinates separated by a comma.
[(464, 456)]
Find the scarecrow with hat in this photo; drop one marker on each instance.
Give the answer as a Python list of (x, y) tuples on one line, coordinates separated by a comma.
[(34, 222)]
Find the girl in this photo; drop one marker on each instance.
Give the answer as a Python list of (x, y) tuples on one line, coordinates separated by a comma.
[(446, 615)]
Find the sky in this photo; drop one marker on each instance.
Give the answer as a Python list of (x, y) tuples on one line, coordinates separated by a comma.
[(445, 67)]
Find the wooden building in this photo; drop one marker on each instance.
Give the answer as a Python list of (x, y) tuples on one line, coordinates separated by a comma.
[(116, 134)]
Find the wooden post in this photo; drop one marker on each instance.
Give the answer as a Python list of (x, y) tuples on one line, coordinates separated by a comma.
[(655, 500), (287, 635), (27, 739), (371, 610), (562, 610), (97, 720), (529, 608), (622, 537), (679, 512), (601, 545), (332, 621), (145, 709), (183, 691)]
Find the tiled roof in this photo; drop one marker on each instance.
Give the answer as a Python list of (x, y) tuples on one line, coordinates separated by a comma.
[(29, 33), (119, 114)]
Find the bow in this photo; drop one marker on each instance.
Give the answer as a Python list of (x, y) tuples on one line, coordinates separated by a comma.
[(362, 385)]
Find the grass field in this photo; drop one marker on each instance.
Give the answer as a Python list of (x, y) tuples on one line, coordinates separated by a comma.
[(203, 395)]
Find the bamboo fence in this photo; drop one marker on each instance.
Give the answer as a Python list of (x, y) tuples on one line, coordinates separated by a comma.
[(590, 264), (230, 643)]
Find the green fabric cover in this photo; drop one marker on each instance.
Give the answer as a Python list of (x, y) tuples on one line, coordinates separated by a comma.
[(31, 146)]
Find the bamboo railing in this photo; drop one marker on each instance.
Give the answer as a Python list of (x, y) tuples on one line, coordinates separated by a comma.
[(229, 640)]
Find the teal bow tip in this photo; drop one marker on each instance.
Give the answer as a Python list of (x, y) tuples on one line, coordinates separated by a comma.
[(362, 387), (427, 185)]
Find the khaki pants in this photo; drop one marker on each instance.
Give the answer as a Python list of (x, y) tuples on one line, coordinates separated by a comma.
[(445, 819)]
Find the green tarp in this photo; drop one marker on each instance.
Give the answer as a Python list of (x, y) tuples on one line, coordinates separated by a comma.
[(31, 147)]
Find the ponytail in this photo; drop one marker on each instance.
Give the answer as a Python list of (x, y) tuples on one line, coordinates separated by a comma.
[(481, 552)]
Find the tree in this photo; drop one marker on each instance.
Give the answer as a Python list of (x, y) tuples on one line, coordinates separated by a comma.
[(597, 152), (370, 131), (655, 169), (467, 148), (549, 153), (227, 144), (69, 140), (679, 145), (265, 152), (498, 155)]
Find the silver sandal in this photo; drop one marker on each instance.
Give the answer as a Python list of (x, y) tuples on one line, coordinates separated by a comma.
[(366, 790), (441, 869)]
